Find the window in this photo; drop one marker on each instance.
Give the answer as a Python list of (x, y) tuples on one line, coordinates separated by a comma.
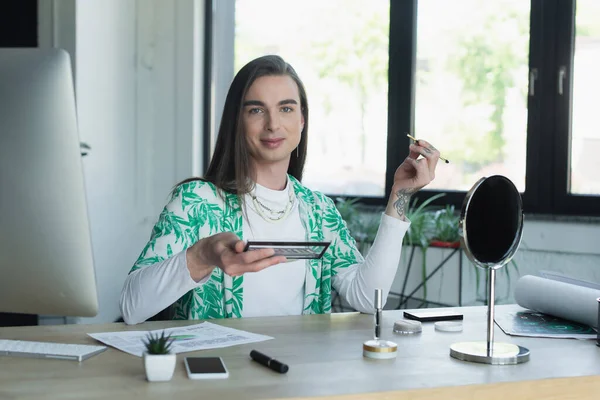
[(343, 62), (584, 176), (565, 132), (471, 88), (502, 87)]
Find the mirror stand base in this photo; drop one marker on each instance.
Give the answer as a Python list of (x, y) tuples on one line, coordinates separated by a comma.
[(501, 354)]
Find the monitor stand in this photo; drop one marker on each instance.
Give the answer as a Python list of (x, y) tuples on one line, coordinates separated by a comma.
[(13, 319)]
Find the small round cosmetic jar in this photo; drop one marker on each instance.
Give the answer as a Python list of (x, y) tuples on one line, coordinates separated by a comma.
[(407, 327), (380, 349), (449, 326)]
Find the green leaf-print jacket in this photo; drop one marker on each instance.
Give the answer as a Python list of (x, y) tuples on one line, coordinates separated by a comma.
[(196, 211)]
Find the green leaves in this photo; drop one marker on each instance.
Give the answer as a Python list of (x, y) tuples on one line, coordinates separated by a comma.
[(343, 258), (421, 229), (170, 223), (362, 223), (237, 296), (212, 296), (190, 199), (314, 307), (445, 223), (156, 344), (149, 261), (204, 212), (182, 306)]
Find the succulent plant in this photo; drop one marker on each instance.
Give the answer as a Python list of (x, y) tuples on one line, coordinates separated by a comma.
[(158, 344)]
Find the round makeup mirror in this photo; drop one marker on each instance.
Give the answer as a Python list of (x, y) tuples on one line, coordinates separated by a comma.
[(491, 226)]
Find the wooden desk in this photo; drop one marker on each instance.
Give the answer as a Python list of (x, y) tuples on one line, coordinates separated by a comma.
[(324, 353)]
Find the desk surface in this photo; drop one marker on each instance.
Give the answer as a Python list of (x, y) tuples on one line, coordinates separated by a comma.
[(324, 353)]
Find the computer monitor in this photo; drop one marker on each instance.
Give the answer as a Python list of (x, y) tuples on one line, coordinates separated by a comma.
[(46, 263)]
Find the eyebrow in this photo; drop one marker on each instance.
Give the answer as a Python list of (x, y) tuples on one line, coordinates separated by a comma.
[(260, 103)]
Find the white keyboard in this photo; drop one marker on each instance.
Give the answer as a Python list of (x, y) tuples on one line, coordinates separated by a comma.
[(65, 351)]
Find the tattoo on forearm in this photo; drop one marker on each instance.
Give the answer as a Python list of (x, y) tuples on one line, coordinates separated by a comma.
[(401, 205)]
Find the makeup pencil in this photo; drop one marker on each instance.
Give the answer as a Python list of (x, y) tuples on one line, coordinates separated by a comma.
[(416, 140)]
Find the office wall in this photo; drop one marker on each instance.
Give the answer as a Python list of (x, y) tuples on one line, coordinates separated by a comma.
[(138, 97), (106, 82), (137, 91), (570, 248)]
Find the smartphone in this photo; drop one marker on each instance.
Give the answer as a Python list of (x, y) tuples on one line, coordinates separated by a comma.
[(205, 368), (433, 315), (291, 250)]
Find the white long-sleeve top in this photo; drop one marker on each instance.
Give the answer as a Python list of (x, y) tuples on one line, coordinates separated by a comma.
[(277, 290)]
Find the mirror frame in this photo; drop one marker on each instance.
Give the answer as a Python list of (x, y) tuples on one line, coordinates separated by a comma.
[(462, 226), (489, 352)]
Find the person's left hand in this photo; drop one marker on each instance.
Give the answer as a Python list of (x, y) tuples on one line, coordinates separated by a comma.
[(415, 173), (411, 176)]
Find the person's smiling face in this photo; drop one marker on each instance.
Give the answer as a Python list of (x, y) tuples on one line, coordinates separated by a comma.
[(272, 120)]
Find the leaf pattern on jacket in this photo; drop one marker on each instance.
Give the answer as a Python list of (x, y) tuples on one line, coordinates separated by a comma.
[(197, 210)]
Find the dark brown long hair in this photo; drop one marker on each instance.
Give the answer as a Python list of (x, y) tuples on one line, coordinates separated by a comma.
[(229, 168)]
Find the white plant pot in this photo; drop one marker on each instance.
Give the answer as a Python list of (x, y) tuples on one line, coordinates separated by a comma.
[(159, 367)]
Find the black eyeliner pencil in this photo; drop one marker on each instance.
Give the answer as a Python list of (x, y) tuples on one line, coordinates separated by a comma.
[(416, 140)]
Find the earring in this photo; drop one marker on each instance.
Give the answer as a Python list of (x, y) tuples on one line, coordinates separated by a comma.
[(297, 152)]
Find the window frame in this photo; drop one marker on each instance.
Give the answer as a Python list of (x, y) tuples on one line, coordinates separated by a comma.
[(552, 40), (565, 202)]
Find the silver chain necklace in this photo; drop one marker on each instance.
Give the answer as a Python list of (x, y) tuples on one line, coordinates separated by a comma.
[(275, 216)]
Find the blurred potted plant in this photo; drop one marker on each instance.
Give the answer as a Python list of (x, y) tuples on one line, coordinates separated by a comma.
[(362, 222), (421, 231), (445, 228), (159, 362), (481, 290), (429, 227)]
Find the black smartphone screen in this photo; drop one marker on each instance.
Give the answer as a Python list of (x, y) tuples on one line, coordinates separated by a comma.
[(205, 365), (433, 315)]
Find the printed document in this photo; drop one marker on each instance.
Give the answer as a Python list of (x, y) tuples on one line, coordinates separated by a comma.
[(534, 324), (558, 298), (201, 336)]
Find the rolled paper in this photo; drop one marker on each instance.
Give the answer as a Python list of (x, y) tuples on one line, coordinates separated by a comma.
[(559, 299)]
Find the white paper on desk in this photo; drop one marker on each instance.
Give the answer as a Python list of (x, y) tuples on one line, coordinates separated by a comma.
[(560, 299), (201, 336)]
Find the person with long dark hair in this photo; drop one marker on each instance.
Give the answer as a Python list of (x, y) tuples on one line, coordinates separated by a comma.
[(195, 263)]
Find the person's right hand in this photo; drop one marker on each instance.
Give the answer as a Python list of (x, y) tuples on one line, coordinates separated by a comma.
[(226, 251)]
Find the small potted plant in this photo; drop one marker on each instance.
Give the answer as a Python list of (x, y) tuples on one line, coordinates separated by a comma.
[(159, 362), (445, 230), (362, 222)]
